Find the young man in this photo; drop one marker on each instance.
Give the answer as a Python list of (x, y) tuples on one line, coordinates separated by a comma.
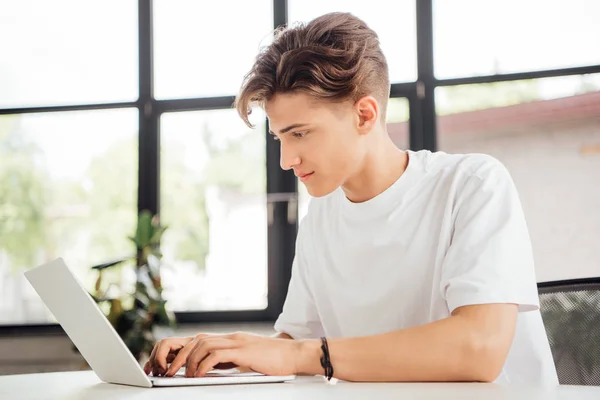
[(413, 266)]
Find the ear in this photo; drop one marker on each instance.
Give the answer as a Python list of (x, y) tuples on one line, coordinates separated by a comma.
[(367, 112)]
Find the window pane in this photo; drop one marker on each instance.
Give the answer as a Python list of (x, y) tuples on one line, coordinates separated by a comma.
[(67, 52), (397, 121), (547, 133), (67, 189), (473, 37), (205, 50), (394, 23), (397, 127), (213, 183)]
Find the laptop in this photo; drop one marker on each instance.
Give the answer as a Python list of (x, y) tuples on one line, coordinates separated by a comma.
[(98, 342)]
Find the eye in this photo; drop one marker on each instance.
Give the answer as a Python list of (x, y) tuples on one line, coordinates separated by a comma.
[(299, 135)]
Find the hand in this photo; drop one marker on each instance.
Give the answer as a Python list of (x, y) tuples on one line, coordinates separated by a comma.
[(266, 355), (166, 350)]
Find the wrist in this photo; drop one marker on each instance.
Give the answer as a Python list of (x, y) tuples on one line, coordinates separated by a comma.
[(308, 357)]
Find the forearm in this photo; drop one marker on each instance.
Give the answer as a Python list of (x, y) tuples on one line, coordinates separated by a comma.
[(440, 351)]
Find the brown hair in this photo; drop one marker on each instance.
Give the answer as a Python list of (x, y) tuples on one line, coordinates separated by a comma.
[(334, 57)]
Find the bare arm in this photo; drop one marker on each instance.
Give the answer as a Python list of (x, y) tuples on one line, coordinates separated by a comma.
[(470, 345)]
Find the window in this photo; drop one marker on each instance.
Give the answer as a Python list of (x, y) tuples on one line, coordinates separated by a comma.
[(547, 133), (205, 50), (67, 52), (70, 185), (67, 189), (474, 37), (214, 202), (397, 121)]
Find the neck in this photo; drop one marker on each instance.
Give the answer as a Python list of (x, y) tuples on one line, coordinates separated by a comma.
[(381, 167)]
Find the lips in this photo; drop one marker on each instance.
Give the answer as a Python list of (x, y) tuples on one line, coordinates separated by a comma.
[(304, 177)]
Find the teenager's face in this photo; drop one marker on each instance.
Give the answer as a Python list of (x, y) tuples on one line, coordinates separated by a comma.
[(321, 141)]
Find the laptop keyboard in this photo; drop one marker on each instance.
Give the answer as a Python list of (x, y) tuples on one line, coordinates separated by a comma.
[(211, 374)]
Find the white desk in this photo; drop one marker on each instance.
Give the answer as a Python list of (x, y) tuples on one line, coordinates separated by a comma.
[(85, 385)]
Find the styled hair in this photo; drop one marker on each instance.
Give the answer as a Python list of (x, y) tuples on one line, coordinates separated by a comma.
[(335, 57)]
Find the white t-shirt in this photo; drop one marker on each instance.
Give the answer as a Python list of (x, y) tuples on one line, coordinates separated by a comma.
[(449, 232)]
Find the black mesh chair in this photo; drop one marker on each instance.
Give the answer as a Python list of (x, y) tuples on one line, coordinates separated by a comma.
[(571, 313)]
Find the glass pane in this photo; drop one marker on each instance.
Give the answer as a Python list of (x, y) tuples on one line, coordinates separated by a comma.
[(397, 127), (213, 184), (473, 37), (397, 121), (547, 133), (395, 26), (67, 189), (203, 50), (67, 52)]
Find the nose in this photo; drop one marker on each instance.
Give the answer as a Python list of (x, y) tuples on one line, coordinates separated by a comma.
[(289, 157)]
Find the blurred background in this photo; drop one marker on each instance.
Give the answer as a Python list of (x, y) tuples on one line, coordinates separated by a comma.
[(110, 108)]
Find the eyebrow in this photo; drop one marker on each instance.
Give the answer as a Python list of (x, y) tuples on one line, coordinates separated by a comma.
[(287, 129)]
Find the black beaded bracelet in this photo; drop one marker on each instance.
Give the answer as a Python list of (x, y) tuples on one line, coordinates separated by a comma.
[(325, 360)]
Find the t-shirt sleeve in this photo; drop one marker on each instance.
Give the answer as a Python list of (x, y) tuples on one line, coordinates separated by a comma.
[(490, 259), (299, 317)]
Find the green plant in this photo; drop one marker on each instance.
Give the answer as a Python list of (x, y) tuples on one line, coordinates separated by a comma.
[(135, 314)]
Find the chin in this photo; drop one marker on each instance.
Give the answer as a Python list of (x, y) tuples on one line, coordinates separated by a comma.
[(320, 191)]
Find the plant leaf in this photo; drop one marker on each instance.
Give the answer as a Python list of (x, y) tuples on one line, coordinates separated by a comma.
[(111, 263), (145, 229), (158, 232)]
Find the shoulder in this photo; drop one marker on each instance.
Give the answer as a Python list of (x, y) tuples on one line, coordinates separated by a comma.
[(468, 164), (463, 168)]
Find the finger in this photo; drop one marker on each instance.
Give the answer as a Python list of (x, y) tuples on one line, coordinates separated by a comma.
[(153, 364), (153, 353), (202, 349), (226, 356), (181, 358), (161, 354), (148, 366), (203, 335), (156, 369), (166, 347)]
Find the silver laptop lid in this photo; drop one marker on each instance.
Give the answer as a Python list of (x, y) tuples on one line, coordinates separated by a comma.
[(85, 324)]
